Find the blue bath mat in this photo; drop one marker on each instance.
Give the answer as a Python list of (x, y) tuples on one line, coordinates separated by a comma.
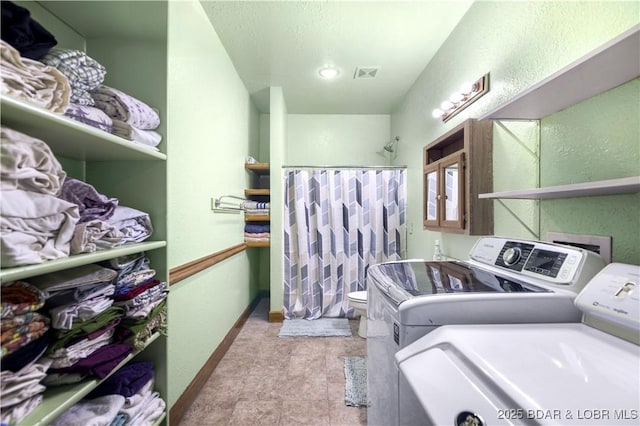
[(355, 386), (315, 328)]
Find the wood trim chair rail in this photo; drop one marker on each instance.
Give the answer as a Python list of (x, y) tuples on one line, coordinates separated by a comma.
[(188, 269)]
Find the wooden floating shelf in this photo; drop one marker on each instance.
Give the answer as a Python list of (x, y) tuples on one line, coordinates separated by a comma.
[(258, 168), (612, 64), (258, 243), (604, 187), (250, 192), (256, 218)]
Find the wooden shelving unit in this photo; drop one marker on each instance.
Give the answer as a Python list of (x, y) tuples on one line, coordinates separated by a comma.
[(259, 172)]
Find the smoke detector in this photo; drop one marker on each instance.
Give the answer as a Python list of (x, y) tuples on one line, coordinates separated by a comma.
[(365, 72)]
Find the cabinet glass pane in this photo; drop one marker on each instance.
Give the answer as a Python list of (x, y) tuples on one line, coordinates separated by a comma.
[(451, 192), (432, 194)]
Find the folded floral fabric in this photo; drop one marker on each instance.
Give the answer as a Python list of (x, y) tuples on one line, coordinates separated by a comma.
[(90, 115), (19, 298), (28, 164), (137, 331), (149, 138), (120, 106), (91, 204), (83, 72), (17, 341), (134, 225), (24, 33), (14, 328), (95, 235), (94, 412), (34, 227), (31, 81)]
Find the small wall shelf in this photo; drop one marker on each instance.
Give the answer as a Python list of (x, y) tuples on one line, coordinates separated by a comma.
[(258, 168), (257, 243), (259, 191), (254, 192), (602, 187), (610, 65)]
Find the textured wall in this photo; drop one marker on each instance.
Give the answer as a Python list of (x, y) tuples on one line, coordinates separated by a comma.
[(328, 139), (519, 43), (211, 126)]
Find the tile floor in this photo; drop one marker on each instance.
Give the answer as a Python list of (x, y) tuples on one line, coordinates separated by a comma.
[(264, 379)]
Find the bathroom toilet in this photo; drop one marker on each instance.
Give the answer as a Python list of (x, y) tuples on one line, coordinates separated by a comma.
[(358, 300)]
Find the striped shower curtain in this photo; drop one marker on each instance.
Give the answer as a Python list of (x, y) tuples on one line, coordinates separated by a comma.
[(337, 222)]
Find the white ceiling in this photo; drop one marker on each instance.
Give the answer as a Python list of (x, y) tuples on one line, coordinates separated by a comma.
[(285, 43)]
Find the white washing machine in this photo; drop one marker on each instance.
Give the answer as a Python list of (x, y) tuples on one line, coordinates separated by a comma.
[(505, 281), (533, 374)]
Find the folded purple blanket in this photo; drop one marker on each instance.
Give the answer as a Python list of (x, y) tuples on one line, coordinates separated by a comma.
[(92, 205)]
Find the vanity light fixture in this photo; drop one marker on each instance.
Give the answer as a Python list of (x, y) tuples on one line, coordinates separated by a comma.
[(468, 94), (328, 72)]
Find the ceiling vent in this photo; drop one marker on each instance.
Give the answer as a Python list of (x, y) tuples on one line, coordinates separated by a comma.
[(365, 72)]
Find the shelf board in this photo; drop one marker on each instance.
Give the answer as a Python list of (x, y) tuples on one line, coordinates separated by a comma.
[(608, 66), (258, 168), (19, 272), (256, 218), (602, 187), (257, 243), (70, 138), (249, 192), (57, 399)]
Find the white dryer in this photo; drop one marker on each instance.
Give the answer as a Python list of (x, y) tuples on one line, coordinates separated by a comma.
[(505, 281), (533, 374)]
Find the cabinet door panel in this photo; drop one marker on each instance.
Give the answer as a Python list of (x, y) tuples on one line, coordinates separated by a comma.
[(431, 195), (452, 207)]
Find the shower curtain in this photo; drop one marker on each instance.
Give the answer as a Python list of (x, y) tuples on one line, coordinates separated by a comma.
[(337, 222)]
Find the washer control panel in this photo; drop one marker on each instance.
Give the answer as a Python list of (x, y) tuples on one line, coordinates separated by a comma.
[(550, 262)]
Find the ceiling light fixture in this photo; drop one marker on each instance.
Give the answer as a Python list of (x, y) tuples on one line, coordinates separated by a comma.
[(328, 72), (468, 94)]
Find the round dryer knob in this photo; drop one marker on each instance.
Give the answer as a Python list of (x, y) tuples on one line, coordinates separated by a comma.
[(511, 256), (467, 418)]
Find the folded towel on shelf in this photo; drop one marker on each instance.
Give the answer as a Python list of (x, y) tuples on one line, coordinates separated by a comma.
[(120, 106), (32, 81), (24, 33), (148, 138), (127, 381), (28, 164), (95, 235), (34, 227), (91, 204), (91, 412), (252, 205), (91, 116), (264, 235), (134, 225), (83, 72), (100, 363), (255, 228)]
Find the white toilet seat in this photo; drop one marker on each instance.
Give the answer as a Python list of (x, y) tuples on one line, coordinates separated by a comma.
[(358, 296)]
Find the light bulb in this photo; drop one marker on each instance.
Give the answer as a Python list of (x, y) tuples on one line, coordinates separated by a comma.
[(466, 88), (328, 73), (456, 98), (446, 105), (437, 113)]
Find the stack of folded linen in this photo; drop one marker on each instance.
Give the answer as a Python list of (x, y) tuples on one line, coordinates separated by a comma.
[(24, 340), (131, 118), (257, 232), (255, 208), (35, 225), (83, 72), (31, 81), (79, 301), (125, 398)]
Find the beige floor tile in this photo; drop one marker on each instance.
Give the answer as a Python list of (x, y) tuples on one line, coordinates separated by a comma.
[(254, 413), (342, 415), (206, 412), (304, 365), (303, 413), (306, 388), (263, 387)]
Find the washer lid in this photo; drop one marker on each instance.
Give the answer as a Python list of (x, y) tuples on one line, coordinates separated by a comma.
[(404, 280), (550, 374)]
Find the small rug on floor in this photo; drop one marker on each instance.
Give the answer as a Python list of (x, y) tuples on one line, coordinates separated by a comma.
[(315, 328), (355, 387)]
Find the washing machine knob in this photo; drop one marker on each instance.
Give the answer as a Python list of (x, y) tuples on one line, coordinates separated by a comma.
[(511, 256), (467, 418)]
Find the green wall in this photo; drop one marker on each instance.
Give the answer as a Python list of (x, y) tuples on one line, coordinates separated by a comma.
[(212, 128), (521, 43)]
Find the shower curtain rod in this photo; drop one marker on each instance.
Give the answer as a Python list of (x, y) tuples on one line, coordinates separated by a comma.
[(346, 167)]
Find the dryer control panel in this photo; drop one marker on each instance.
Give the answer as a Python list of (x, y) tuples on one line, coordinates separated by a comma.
[(553, 263)]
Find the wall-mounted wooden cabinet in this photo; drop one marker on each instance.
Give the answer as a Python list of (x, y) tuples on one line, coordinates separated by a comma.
[(456, 168)]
